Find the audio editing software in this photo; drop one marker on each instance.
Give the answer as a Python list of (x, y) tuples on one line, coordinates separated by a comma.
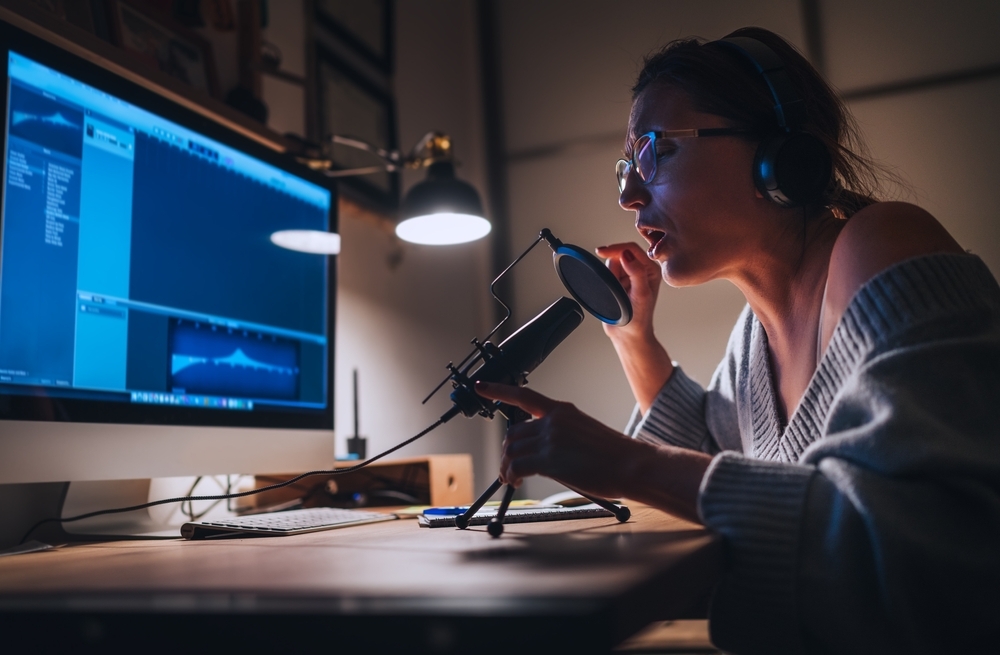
[(136, 262)]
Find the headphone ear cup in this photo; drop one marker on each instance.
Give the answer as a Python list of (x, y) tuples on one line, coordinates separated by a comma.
[(792, 169)]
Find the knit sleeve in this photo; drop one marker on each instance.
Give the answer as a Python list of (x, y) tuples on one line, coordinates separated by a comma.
[(885, 536), (686, 415), (677, 416)]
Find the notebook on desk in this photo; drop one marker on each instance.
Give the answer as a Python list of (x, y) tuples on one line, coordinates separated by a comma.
[(532, 514)]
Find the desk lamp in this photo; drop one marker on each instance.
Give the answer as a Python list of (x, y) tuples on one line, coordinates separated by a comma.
[(441, 210)]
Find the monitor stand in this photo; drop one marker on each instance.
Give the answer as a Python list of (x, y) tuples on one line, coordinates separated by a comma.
[(83, 497)]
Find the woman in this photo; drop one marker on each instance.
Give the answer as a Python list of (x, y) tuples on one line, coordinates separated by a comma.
[(848, 446)]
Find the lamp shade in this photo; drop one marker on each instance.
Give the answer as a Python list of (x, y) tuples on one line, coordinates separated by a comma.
[(442, 210)]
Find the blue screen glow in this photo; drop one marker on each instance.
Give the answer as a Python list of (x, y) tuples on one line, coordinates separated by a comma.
[(135, 257)]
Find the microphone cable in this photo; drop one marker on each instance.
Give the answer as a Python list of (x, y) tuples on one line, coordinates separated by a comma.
[(242, 494)]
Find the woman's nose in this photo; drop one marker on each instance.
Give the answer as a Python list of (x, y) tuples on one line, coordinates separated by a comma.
[(635, 195)]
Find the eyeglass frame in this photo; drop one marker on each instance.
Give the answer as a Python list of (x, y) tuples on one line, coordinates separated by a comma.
[(629, 163)]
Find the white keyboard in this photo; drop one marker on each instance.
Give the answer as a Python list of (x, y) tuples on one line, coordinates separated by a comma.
[(280, 524)]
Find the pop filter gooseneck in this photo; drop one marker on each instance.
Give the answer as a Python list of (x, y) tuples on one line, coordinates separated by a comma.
[(590, 282)]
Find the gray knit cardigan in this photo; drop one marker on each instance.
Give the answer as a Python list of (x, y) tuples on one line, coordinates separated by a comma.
[(871, 522)]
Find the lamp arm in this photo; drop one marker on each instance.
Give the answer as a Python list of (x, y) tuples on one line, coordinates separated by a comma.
[(351, 172), (434, 146), (392, 158)]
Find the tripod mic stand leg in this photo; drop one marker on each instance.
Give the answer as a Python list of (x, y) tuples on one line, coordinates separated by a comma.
[(621, 512), (495, 528), (514, 415), (462, 520)]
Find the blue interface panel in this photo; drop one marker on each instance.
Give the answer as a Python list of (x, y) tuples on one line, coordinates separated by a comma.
[(136, 263)]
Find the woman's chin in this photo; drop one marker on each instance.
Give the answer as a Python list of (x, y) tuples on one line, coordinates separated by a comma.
[(676, 274)]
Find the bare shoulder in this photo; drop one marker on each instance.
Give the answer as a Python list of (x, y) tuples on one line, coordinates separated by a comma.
[(874, 239)]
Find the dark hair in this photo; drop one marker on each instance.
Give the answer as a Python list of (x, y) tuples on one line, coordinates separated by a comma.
[(721, 82)]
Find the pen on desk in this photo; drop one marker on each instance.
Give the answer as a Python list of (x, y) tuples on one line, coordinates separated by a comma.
[(444, 511)]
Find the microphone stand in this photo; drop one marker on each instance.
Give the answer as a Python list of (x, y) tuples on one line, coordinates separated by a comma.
[(468, 403), (495, 527)]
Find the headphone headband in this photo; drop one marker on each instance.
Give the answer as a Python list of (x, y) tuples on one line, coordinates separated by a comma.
[(791, 168), (788, 106)]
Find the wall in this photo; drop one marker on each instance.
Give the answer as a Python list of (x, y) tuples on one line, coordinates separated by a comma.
[(943, 139), (400, 323), (566, 73)]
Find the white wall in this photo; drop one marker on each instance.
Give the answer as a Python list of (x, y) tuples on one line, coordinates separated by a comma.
[(567, 69), (945, 140), (400, 324)]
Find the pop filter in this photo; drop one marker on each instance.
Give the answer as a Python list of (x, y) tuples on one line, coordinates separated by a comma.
[(590, 282)]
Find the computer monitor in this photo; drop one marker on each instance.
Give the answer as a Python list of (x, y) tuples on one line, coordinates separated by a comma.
[(148, 325)]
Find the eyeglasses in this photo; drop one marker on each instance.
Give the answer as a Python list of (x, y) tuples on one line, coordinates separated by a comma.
[(644, 153)]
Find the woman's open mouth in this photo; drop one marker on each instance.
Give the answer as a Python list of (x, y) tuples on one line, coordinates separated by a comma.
[(654, 238)]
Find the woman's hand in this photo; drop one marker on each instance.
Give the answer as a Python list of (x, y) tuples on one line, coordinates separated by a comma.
[(641, 278), (646, 363), (563, 443)]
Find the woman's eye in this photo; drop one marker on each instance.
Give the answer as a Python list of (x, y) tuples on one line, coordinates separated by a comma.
[(664, 150)]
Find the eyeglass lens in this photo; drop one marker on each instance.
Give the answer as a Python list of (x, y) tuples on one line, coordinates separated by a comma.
[(621, 170), (643, 159)]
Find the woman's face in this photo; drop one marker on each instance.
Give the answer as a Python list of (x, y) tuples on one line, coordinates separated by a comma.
[(698, 213)]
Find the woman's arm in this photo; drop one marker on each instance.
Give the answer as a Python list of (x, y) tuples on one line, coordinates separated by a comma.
[(566, 445), (884, 538), (645, 361)]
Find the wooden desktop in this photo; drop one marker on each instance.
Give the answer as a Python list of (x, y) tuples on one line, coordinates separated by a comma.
[(568, 586)]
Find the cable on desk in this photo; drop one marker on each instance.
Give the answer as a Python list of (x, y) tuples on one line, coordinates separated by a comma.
[(241, 494)]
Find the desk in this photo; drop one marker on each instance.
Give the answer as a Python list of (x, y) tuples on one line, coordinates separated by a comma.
[(569, 586)]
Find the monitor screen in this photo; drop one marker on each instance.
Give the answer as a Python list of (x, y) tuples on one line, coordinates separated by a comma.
[(138, 281)]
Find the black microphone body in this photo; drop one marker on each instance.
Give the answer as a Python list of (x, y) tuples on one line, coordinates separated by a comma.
[(517, 356)]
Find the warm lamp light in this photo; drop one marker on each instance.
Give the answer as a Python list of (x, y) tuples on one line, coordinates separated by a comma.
[(441, 210), (311, 241)]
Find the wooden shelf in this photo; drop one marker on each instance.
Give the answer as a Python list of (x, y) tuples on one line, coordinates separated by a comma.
[(430, 479)]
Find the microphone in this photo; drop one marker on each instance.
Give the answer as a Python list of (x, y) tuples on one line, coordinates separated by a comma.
[(516, 357)]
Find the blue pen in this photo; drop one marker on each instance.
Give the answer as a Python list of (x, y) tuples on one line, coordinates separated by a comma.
[(445, 511)]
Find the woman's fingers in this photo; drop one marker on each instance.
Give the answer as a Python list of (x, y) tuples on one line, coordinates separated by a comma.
[(641, 279), (561, 442), (616, 249), (530, 401), (523, 441), (513, 471), (628, 260), (615, 266)]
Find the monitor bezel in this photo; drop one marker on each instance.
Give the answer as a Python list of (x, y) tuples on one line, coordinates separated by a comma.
[(34, 403)]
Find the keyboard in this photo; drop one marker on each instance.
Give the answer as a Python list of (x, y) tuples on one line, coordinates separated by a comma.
[(281, 524), (527, 514)]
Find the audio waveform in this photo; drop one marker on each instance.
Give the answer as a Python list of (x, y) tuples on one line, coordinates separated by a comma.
[(237, 358), (56, 119)]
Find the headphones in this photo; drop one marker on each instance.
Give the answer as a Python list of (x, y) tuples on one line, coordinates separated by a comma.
[(791, 168)]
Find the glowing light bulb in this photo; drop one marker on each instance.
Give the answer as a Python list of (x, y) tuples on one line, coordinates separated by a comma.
[(443, 229), (311, 241)]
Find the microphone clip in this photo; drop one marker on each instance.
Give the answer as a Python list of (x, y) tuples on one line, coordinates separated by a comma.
[(464, 395)]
